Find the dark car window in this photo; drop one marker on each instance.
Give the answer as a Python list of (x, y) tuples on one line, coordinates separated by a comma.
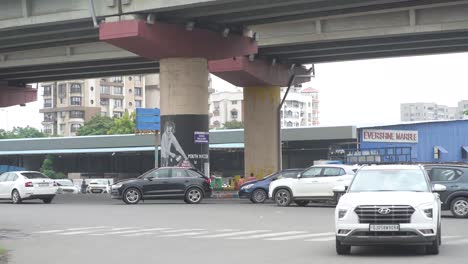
[(193, 174), (330, 172), (179, 173), (312, 172), (289, 174), (34, 175), (161, 174), (445, 174)]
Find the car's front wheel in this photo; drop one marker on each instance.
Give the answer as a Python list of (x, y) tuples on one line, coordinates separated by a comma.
[(193, 196), (433, 249), (342, 249), (283, 197), (16, 197), (132, 196), (259, 196), (47, 200), (301, 203), (459, 207)]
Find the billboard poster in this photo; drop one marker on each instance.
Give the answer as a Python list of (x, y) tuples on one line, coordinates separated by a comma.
[(391, 136), (178, 147)]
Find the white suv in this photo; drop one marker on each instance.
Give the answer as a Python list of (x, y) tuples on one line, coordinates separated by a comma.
[(314, 183), (26, 185), (389, 205)]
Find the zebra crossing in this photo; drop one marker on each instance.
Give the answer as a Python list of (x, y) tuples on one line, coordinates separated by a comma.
[(204, 233)]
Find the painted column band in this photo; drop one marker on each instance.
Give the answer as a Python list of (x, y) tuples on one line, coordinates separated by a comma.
[(178, 147)]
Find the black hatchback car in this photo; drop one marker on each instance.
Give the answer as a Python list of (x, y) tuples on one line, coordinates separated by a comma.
[(455, 178), (164, 183)]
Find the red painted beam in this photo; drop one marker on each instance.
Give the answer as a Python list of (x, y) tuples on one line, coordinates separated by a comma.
[(10, 96), (160, 40), (244, 73)]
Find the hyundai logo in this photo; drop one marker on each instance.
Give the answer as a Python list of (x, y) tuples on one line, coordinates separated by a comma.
[(384, 211)]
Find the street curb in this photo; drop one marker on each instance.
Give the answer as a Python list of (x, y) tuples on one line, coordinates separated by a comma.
[(224, 195)]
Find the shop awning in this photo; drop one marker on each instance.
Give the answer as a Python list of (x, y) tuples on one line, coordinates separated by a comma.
[(441, 149), (465, 149)]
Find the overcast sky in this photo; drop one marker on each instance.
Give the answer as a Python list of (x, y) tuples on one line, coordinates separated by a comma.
[(351, 93)]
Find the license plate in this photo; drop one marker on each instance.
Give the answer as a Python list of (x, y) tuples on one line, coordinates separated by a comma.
[(43, 184), (96, 191), (384, 228)]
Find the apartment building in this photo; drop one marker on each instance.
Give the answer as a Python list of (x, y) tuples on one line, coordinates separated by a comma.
[(299, 109), (431, 111), (68, 104)]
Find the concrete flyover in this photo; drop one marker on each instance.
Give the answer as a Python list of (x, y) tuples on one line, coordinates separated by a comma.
[(52, 39)]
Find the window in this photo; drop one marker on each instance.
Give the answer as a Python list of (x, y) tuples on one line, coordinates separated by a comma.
[(118, 90), (129, 78), (118, 114), (117, 79), (216, 124), (62, 90), (179, 173), (138, 91), (444, 174), (48, 129), (137, 103), (92, 102), (76, 114), (234, 114), (62, 127), (74, 128), (389, 180), (289, 124), (34, 175), (193, 174), (48, 117), (118, 103), (11, 177), (137, 78), (105, 90), (216, 105), (75, 100), (3, 176), (63, 114), (309, 104), (104, 101), (130, 104), (312, 172), (75, 88), (91, 88), (47, 103), (234, 102), (130, 91), (333, 172), (216, 112), (158, 174), (47, 90)]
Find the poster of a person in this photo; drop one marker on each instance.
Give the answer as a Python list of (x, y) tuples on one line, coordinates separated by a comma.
[(168, 142)]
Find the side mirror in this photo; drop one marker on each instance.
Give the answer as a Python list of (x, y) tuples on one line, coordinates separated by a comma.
[(150, 178), (340, 189), (299, 175), (439, 188)]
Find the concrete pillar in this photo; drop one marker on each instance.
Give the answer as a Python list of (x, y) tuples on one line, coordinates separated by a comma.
[(260, 134), (184, 111)]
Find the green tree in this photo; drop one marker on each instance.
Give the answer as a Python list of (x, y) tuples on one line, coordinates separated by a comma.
[(233, 125), (21, 132), (465, 112), (98, 125), (124, 125), (47, 168)]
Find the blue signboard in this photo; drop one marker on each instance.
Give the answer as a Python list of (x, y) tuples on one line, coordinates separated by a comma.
[(201, 137), (148, 119)]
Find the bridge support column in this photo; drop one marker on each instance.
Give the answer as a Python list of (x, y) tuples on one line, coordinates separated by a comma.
[(261, 81), (184, 111), (261, 130)]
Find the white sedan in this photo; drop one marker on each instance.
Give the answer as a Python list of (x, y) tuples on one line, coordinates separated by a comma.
[(66, 186), (99, 186), (26, 185)]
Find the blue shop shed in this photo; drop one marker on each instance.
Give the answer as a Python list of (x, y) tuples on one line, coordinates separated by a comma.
[(416, 142)]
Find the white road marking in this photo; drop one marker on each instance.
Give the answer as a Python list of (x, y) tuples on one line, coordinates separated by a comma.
[(183, 230), (86, 228), (269, 235), (321, 239), (76, 233), (185, 234), (450, 237), (49, 231), (300, 236), (130, 231), (139, 234), (234, 234), (457, 241)]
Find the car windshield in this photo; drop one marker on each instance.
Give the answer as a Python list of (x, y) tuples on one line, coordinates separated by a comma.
[(270, 176), (34, 175), (389, 180)]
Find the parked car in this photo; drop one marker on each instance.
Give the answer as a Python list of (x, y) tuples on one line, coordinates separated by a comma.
[(164, 183), (455, 179), (313, 184), (26, 185), (99, 186), (257, 191), (389, 205), (66, 186)]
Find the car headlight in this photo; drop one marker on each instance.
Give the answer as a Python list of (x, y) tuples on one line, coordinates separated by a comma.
[(342, 213), (248, 186), (427, 210), (117, 186)]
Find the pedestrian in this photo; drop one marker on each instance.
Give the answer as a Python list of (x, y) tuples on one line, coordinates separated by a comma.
[(252, 177), (83, 186)]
